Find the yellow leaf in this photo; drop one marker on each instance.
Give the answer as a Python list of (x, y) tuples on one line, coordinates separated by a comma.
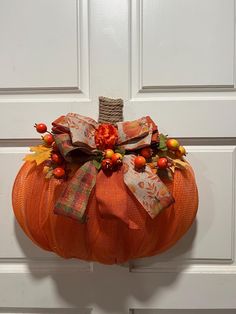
[(180, 164), (40, 154)]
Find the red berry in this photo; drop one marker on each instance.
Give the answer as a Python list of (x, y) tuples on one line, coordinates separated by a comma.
[(48, 139), (41, 127), (116, 159), (59, 172), (106, 164), (139, 162), (146, 152), (162, 163), (57, 158)]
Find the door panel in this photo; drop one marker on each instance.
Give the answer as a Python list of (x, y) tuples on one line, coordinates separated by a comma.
[(186, 44), (170, 59), (42, 49), (36, 55)]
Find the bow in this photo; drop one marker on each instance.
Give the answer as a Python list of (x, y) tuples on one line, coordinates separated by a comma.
[(75, 138)]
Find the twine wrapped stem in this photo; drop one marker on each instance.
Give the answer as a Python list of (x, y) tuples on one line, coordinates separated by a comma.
[(110, 110)]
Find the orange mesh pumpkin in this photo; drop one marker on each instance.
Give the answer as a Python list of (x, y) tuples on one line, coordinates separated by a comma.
[(119, 224), (101, 239)]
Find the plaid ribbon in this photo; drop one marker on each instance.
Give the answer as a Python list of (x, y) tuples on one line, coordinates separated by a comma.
[(74, 135), (73, 201)]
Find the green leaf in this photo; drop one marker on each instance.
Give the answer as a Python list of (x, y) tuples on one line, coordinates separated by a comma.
[(162, 142), (97, 164), (162, 153), (99, 156)]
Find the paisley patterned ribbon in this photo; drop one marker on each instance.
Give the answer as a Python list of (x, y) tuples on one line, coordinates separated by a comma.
[(74, 132)]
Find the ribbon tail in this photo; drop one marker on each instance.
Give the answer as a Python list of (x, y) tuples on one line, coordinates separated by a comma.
[(147, 187), (74, 199)]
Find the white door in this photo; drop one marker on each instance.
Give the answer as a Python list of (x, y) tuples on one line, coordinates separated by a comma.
[(171, 59)]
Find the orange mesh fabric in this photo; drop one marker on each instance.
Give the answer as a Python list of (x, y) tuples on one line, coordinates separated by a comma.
[(105, 237)]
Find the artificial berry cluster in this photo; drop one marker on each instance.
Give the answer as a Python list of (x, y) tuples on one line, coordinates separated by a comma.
[(176, 151), (162, 157), (172, 150), (174, 146), (141, 160), (56, 164), (111, 160)]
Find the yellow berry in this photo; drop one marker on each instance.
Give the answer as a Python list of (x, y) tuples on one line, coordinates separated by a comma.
[(172, 144), (108, 153), (180, 152)]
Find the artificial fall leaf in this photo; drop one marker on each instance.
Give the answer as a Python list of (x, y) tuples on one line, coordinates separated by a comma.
[(40, 154), (46, 169), (155, 158), (151, 165), (154, 170), (97, 164), (162, 142), (49, 174), (172, 169), (180, 164)]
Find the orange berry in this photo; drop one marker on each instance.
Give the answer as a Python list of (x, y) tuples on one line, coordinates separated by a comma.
[(116, 158), (139, 162), (48, 139), (162, 163)]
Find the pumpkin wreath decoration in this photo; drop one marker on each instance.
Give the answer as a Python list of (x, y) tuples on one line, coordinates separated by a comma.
[(107, 191)]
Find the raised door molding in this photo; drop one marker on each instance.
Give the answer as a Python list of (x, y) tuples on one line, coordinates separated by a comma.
[(160, 27), (182, 311), (44, 47)]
